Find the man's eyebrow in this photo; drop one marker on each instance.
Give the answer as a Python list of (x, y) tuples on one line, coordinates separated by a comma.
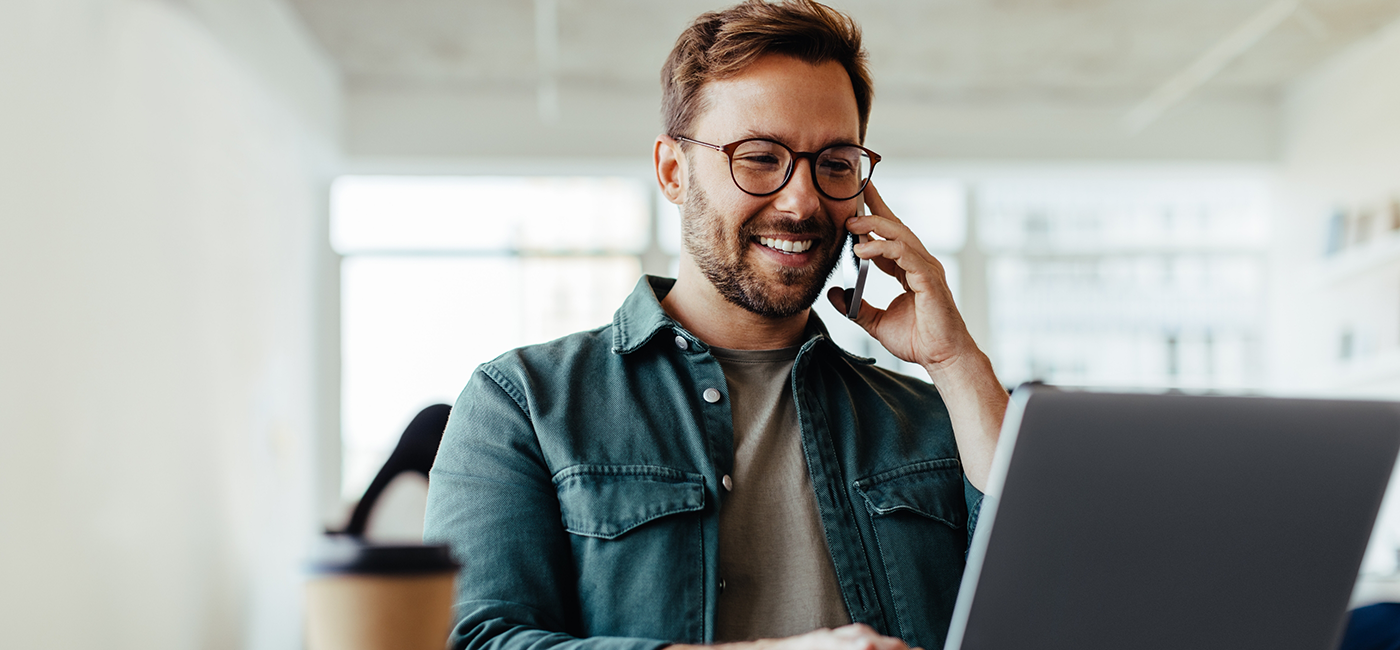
[(747, 135)]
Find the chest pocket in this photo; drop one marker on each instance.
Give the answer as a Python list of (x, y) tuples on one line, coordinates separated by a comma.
[(608, 501), (638, 550), (932, 489), (919, 514)]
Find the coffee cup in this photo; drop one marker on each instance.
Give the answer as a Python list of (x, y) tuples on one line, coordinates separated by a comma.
[(363, 596)]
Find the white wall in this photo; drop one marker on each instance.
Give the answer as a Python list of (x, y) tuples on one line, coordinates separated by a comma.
[(461, 122), (163, 177), (1341, 148)]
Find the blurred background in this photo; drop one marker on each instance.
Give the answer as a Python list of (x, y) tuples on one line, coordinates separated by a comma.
[(243, 242)]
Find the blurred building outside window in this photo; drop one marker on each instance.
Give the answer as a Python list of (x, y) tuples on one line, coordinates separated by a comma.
[(1133, 283)]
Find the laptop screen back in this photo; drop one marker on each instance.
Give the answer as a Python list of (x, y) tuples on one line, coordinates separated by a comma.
[(1169, 521)]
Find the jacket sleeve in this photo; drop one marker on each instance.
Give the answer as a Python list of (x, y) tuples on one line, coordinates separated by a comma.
[(491, 498), (974, 497)]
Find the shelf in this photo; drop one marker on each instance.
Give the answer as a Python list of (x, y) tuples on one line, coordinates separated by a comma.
[(1379, 251)]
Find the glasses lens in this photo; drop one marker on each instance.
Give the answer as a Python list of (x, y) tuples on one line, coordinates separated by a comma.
[(842, 171), (760, 166)]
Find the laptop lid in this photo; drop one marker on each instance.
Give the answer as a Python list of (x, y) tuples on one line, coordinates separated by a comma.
[(1171, 521)]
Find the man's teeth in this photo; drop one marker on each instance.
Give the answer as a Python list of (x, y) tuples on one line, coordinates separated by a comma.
[(786, 245)]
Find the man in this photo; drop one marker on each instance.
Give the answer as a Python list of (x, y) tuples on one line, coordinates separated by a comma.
[(710, 467)]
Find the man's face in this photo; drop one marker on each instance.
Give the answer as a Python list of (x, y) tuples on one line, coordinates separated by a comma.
[(772, 254)]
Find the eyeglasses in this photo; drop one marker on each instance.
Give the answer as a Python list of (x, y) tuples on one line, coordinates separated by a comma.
[(762, 167)]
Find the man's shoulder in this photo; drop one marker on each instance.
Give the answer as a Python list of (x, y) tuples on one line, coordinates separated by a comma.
[(555, 358)]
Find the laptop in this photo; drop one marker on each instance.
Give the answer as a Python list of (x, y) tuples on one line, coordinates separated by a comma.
[(1135, 521)]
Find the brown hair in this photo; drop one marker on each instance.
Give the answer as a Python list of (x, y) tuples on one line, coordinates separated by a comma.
[(721, 44)]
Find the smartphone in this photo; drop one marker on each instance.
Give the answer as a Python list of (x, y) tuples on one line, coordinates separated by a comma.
[(863, 266)]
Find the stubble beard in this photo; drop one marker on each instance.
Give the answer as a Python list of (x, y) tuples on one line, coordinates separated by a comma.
[(724, 257)]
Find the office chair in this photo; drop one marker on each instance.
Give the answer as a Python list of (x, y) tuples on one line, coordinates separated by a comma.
[(415, 452), (1373, 627)]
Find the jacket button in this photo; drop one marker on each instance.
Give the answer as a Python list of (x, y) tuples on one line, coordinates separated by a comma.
[(727, 482), (721, 586), (711, 395), (682, 343)]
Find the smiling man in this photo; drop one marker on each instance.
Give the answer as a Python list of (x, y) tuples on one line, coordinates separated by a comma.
[(710, 467)]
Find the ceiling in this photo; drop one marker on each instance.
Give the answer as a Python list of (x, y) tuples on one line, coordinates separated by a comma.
[(968, 78)]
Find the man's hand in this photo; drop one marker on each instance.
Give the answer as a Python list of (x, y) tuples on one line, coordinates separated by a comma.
[(923, 326), (856, 636)]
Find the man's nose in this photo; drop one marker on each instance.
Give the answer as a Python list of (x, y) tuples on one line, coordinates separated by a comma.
[(800, 196)]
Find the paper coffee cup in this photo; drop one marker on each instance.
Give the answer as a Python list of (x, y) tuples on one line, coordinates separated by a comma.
[(380, 597)]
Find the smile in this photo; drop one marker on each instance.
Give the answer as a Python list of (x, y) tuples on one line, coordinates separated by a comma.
[(786, 245)]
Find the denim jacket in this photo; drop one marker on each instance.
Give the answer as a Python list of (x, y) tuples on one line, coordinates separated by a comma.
[(578, 483)]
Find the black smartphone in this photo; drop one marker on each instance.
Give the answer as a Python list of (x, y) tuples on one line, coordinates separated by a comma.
[(863, 269)]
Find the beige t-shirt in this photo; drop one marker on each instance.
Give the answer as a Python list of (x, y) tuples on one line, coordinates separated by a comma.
[(778, 576)]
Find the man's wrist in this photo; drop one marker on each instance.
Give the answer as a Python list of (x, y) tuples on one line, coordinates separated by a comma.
[(976, 403), (958, 369)]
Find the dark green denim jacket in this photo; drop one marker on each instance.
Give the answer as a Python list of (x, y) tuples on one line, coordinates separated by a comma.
[(578, 483)]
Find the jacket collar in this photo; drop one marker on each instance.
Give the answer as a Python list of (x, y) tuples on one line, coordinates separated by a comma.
[(640, 317)]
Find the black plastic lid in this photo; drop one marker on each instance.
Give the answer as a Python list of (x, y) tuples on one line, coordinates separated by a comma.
[(349, 556)]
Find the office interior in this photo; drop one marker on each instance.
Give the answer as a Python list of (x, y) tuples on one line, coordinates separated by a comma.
[(243, 241)]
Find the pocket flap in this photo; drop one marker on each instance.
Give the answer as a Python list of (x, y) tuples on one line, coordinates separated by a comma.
[(606, 501), (932, 488)]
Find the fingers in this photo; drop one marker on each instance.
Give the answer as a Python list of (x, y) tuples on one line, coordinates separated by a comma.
[(888, 267), (856, 636), (853, 629), (882, 215), (863, 637), (886, 227), (883, 222), (908, 260), (847, 637)]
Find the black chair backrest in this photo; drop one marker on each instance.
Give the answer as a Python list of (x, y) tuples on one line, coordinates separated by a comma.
[(415, 452)]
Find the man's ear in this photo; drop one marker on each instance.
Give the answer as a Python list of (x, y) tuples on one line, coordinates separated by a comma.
[(670, 168)]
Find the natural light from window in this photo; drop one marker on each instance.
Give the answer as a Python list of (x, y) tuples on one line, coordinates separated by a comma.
[(1132, 281)]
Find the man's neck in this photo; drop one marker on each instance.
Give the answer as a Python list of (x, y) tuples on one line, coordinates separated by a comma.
[(698, 306)]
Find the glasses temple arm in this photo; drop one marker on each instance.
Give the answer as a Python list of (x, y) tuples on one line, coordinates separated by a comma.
[(703, 144)]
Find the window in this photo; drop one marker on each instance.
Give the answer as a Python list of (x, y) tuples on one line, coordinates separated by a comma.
[(1129, 282), (442, 273), (1150, 281)]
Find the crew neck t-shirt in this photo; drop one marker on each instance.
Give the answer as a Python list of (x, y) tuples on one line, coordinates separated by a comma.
[(778, 576)]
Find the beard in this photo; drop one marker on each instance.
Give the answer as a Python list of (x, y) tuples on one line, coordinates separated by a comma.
[(725, 258)]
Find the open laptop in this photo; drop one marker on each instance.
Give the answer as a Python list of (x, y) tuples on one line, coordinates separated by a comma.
[(1142, 522)]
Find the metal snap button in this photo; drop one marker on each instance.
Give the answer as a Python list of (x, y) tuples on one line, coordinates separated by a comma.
[(711, 395)]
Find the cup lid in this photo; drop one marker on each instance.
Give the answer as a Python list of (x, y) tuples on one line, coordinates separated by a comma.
[(351, 556)]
